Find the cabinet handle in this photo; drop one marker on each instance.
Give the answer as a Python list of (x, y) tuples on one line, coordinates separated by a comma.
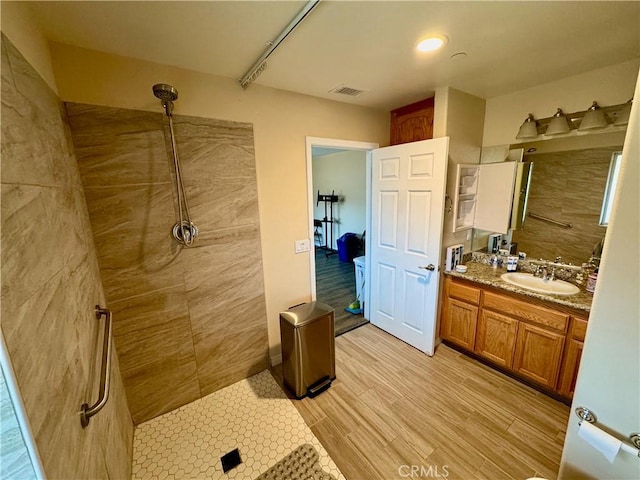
[(431, 267)]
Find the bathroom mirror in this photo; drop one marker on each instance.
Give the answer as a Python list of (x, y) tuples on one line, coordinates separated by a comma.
[(567, 189)]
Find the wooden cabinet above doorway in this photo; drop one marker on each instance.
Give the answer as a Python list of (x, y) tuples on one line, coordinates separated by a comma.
[(412, 122)]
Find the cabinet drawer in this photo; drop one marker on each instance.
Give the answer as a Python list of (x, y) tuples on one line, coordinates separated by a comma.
[(464, 292), (533, 313), (579, 329)]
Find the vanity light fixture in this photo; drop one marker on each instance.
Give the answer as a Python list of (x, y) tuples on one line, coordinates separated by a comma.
[(593, 119), (528, 129), (596, 117), (559, 124), (622, 118), (432, 43)]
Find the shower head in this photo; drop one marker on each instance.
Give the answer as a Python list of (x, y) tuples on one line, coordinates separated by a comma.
[(167, 94)]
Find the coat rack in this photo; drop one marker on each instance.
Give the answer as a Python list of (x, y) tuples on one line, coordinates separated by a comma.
[(328, 220)]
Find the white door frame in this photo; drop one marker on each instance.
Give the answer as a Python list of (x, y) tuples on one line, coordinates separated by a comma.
[(28, 438), (344, 145)]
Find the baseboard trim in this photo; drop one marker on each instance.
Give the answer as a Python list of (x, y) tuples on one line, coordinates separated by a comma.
[(276, 360)]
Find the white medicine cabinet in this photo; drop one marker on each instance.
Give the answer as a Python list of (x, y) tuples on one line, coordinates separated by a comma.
[(484, 196)]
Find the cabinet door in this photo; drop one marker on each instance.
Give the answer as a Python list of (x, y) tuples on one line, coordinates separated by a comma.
[(570, 368), (459, 322), (495, 197), (464, 199), (412, 122), (573, 354), (538, 354), (496, 338), (484, 196)]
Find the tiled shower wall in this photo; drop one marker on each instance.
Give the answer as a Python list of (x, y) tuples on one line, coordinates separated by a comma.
[(188, 321), (568, 187), (50, 285)]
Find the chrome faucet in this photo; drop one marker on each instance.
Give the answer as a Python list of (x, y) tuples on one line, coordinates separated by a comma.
[(544, 273)]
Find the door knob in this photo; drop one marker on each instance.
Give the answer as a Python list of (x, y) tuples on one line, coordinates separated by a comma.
[(431, 267)]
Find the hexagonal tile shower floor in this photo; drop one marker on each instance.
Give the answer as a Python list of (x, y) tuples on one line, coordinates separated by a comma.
[(253, 415)]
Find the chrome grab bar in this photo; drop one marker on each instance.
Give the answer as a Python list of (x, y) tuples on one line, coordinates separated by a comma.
[(550, 220), (105, 373)]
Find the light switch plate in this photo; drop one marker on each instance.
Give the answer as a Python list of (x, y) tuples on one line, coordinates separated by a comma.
[(303, 245)]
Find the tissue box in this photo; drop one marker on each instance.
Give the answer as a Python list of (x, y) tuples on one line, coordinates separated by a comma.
[(454, 257)]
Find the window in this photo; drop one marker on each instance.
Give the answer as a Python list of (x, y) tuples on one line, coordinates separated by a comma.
[(612, 181)]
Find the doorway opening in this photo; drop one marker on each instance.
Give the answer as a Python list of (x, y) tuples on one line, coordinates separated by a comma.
[(338, 191)]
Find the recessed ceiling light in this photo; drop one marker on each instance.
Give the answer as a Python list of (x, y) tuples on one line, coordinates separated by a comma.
[(432, 43)]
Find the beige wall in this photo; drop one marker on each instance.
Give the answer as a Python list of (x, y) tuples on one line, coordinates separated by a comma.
[(440, 111), (281, 121), (51, 284), (19, 26), (464, 120), (344, 173), (609, 378), (608, 86)]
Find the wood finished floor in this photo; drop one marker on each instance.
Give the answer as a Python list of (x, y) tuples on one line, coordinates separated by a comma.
[(391, 405), (336, 286)]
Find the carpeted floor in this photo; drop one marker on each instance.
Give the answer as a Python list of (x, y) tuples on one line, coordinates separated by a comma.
[(336, 286)]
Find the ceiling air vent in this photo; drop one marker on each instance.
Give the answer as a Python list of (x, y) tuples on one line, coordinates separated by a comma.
[(344, 90)]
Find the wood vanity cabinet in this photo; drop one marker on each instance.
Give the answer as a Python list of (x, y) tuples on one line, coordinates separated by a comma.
[(460, 314), (573, 354), (526, 337), (538, 354), (412, 122), (496, 337), (540, 337)]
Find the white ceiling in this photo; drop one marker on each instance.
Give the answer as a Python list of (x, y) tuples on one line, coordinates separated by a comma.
[(365, 45)]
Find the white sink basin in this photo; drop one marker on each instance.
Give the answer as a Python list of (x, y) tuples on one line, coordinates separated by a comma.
[(535, 284)]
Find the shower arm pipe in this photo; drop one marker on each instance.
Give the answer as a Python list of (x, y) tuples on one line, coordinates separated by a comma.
[(185, 230), (86, 411), (260, 64), (182, 197), (176, 166)]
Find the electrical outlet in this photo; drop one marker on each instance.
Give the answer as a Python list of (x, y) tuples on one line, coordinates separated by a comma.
[(303, 245)]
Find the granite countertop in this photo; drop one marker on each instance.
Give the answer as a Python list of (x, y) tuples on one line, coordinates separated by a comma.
[(486, 275)]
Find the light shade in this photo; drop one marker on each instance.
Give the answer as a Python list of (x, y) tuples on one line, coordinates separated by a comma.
[(623, 115), (593, 119), (558, 124), (528, 129)]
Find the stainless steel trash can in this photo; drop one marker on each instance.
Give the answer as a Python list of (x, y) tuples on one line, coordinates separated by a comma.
[(308, 348)]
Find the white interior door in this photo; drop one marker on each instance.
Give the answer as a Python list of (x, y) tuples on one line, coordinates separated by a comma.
[(407, 210)]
